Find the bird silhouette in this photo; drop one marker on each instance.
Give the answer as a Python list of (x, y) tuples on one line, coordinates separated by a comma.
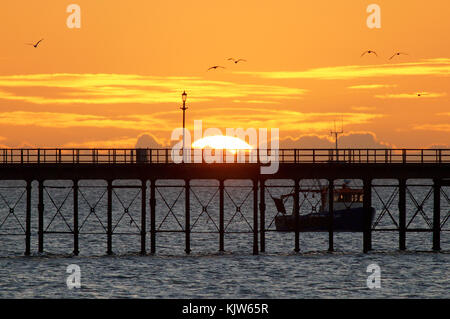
[(236, 61), (35, 44), (215, 67), (369, 52), (398, 53)]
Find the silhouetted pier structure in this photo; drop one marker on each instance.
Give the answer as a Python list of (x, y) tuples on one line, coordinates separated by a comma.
[(151, 165)]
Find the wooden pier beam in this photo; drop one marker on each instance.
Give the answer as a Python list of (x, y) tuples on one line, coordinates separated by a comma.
[(297, 215), (221, 216), (109, 217), (331, 215), (75, 218), (28, 220), (143, 215), (402, 213), (41, 216), (255, 217), (437, 215), (152, 216), (367, 206), (187, 227), (262, 214)]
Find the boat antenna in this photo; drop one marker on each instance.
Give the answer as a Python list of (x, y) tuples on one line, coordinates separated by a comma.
[(336, 133)]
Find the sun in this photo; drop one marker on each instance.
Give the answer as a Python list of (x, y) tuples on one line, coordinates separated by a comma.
[(222, 142)]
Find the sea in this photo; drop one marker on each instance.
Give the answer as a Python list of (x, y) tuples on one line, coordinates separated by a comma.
[(277, 273)]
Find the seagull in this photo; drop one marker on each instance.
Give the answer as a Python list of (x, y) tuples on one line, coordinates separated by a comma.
[(35, 44), (369, 52), (398, 53), (215, 67), (239, 60), (236, 61)]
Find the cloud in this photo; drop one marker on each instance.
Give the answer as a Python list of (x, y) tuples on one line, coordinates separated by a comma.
[(363, 108), (148, 141), (126, 88), (433, 127), (15, 145), (244, 117), (307, 141), (143, 141), (436, 67), (284, 119), (439, 146), (349, 140), (125, 142), (372, 86), (66, 120), (256, 102), (424, 95)]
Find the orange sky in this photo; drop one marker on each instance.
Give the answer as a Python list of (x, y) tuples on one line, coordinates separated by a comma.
[(121, 75)]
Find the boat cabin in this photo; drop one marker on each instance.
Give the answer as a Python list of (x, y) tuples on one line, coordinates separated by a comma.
[(344, 198)]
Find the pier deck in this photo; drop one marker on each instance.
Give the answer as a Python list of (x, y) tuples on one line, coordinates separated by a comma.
[(148, 166)]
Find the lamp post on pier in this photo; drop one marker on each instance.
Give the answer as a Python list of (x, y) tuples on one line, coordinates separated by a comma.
[(184, 108)]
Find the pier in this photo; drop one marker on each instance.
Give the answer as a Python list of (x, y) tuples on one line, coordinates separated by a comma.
[(399, 170)]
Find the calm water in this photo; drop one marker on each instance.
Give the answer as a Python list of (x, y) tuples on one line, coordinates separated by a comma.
[(279, 273)]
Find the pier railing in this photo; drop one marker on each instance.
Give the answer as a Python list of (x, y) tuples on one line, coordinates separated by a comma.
[(166, 156)]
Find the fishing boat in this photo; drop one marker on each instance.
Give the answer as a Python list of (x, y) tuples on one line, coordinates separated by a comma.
[(347, 206)]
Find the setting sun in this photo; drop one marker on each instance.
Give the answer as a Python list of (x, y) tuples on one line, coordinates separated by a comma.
[(222, 142)]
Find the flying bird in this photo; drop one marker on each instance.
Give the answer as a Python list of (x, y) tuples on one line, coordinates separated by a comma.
[(236, 61), (398, 53), (369, 52), (215, 67), (35, 44)]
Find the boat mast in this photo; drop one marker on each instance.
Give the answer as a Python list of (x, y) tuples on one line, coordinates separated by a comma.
[(336, 134)]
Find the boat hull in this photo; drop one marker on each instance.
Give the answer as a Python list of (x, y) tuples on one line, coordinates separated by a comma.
[(348, 220)]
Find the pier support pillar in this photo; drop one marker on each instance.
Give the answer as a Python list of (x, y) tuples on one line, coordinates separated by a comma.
[(75, 218), (109, 217), (41, 217), (402, 213), (255, 217), (143, 215), (331, 215), (297, 215), (28, 221), (221, 216), (187, 227), (367, 206), (152, 216), (262, 215), (437, 215)]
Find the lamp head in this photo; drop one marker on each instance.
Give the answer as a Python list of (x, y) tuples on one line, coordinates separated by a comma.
[(184, 96)]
